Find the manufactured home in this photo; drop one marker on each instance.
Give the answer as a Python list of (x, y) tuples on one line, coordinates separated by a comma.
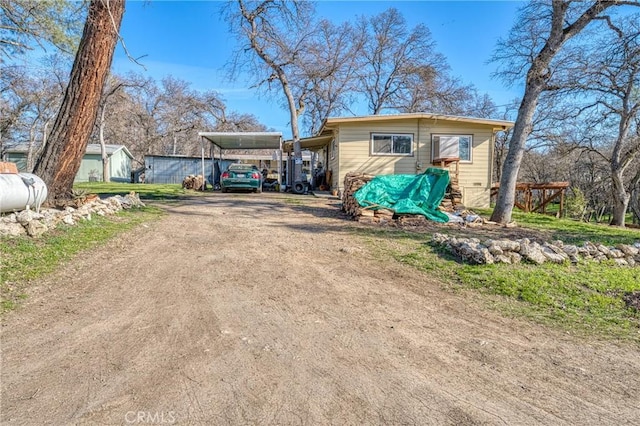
[(409, 144)]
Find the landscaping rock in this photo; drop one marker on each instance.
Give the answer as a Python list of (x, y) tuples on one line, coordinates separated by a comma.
[(26, 216), (512, 252), (474, 253), (35, 224), (501, 258), (621, 262), (628, 250), (495, 250), (36, 228), (515, 257), (533, 253), (552, 256), (11, 229)]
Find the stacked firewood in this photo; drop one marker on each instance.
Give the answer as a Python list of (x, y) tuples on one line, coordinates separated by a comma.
[(194, 182), (372, 214), (353, 181), (452, 200)]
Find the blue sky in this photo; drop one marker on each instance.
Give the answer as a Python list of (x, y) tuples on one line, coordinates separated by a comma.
[(189, 40)]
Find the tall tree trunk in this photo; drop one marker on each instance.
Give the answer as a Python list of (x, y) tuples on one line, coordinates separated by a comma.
[(536, 82), (509, 176), (295, 131), (620, 199), (175, 144), (72, 128), (634, 205)]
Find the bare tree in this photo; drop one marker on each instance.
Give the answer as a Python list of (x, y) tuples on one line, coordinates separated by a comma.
[(113, 89), (53, 22), (238, 122), (14, 102), (326, 76), (534, 42), (30, 100), (74, 123), (275, 31), (596, 111), (391, 56), (612, 76)]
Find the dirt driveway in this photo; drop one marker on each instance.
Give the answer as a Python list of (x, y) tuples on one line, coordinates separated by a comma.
[(264, 309)]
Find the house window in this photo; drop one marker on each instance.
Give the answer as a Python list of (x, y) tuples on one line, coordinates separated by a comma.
[(333, 149), (452, 146), (391, 144)]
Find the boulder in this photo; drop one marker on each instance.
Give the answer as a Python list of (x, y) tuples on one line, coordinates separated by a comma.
[(501, 258), (515, 257), (68, 219), (533, 253), (474, 253), (621, 262), (495, 250), (552, 256), (504, 245), (604, 250), (36, 228), (11, 229), (628, 250), (26, 216), (616, 253)]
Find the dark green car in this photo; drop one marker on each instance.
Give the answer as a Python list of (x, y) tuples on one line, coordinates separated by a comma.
[(241, 176)]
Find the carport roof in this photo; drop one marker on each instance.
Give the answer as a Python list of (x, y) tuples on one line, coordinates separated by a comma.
[(244, 140)]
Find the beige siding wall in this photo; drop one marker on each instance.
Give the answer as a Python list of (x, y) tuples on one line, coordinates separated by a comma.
[(355, 147), (474, 177), (354, 153)]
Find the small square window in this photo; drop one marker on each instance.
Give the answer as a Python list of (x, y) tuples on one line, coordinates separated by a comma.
[(452, 146)]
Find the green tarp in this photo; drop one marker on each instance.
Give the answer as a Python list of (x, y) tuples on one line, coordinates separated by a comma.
[(407, 194)]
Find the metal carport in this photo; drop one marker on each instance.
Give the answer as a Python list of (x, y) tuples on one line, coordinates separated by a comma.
[(243, 140)]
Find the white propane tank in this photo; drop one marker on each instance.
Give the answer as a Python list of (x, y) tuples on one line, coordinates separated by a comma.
[(19, 190)]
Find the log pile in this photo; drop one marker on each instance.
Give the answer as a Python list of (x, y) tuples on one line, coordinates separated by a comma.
[(353, 181), (452, 200), (194, 182)]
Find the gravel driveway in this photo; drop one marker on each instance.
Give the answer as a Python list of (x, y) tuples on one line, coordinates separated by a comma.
[(267, 309)]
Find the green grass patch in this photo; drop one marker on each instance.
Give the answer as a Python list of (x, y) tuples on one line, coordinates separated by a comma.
[(25, 259), (572, 231), (146, 191), (587, 296), (586, 299)]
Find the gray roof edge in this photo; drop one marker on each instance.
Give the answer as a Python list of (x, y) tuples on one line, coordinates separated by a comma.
[(92, 148)]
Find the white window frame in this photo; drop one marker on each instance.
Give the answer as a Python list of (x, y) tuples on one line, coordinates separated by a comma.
[(390, 154), (333, 148), (452, 135)]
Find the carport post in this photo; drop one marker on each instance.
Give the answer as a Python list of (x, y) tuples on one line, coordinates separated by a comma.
[(204, 179), (212, 153), (280, 165)]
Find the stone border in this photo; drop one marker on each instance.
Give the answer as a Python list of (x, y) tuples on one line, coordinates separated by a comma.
[(35, 224), (474, 251)]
